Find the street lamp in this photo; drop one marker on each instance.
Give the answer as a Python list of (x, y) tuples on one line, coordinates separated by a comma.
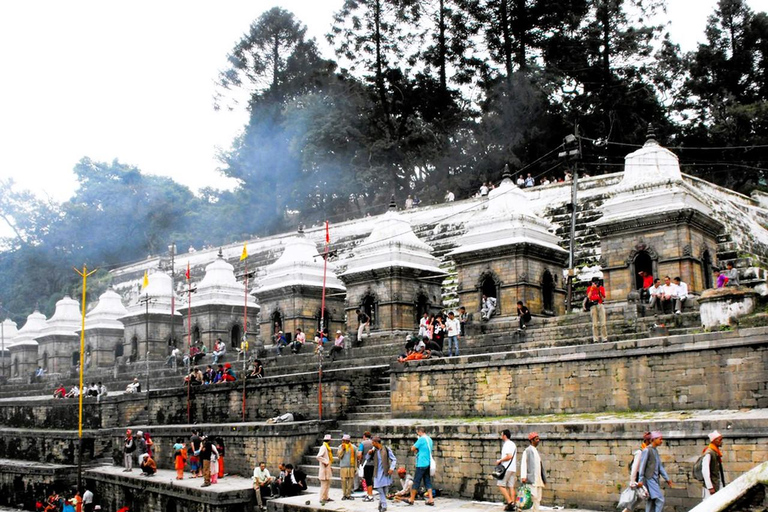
[(571, 149)]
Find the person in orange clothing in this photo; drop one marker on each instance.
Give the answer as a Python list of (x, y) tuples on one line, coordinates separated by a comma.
[(220, 448), (180, 452)]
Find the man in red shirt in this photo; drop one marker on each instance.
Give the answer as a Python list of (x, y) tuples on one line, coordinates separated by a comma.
[(596, 295)]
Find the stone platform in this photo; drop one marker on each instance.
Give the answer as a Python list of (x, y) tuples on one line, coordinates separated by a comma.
[(309, 502), (113, 489), (22, 483)]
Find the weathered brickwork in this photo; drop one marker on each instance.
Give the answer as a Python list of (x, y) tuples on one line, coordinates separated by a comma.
[(54, 447), (587, 463), (299, 308), (265, 398), (22, 484), (636, 375)]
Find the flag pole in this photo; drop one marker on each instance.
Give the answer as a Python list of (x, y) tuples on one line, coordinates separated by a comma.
[(84, 274), (244, 344), (322, 326)]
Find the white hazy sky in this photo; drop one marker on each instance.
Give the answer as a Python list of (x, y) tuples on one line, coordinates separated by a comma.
[(135, 81)]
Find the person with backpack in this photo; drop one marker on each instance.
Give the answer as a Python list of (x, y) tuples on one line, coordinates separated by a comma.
[(650, 472), (708, 469), (596, 297), (634, 468), (506, 484)]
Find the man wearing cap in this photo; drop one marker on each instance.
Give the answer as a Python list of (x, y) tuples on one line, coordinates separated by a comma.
[(651, 469), (325, 473), (712, 465), (384, 463), (635, 467), (128, 448), (509, 459), (347, 454), (406, 484), (338, 345), (423, 448), (532, 470)]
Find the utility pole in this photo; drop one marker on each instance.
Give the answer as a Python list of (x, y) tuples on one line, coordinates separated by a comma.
[(84, 274), (172, 251), (146, 301), (572, 149)]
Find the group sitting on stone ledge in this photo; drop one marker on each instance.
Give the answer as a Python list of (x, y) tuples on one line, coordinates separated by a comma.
[(224, 373), (94, 391)]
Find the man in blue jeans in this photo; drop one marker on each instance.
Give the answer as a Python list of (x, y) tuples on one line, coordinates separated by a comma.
[(423, 449)]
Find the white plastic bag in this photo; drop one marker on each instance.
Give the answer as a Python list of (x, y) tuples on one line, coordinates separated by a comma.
[(628, 499)]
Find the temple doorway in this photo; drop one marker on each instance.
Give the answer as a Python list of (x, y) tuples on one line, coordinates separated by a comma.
[(548, 293), (642, 263), (234, 336)]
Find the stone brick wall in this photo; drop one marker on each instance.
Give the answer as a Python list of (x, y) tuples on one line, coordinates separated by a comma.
[(265, 398), (153, 495), (103, 342), (24, 483), (245, 445), (653, 374), (300, 308), (587, 463), (57, 447)]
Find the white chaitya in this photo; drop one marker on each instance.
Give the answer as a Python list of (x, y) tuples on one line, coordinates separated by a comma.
[(159, 293), (392, 243), (66, 319), (106, 313), (299, 265), (652, 183), (31, 330), (9, 330), (508, 220), (220, 287)]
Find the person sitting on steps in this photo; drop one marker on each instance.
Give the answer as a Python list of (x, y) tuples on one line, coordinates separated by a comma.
[(523, 315), (488, 307)]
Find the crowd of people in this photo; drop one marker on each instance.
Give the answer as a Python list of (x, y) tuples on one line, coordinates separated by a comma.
[(94, 390), (56, 502)]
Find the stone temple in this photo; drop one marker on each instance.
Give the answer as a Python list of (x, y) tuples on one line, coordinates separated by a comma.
[(682, 374)]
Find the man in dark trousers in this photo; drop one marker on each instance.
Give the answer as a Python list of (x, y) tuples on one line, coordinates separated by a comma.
[(205, 458), (294, 483), (523, 315)]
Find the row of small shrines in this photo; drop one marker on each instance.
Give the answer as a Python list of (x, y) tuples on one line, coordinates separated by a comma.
[(507, 252)]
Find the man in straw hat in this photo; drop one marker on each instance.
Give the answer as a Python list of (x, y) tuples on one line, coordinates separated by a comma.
[(650, 472), (325, 473), (712, 465)]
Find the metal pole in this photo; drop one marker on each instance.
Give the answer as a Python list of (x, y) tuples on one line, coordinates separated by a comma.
[(2, 337), (245, 334), (172, 250), (572, 246), (322, 328), (189, 347), (146, 334), (84, 275)]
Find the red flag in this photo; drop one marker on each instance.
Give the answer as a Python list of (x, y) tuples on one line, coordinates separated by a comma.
[(327, 233), (186, 274)]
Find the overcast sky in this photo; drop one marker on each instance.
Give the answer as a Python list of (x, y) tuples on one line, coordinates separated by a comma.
[(135, 81)]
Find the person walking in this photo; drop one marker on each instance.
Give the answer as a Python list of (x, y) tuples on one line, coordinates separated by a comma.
[(423, 449), (635, 467), (129, 447), (712, 465), (325, 473), (596, 296), (532, 470), (365, 446), (384, 463), (650, 472), (453, 330), (347, 455), (509, 459)]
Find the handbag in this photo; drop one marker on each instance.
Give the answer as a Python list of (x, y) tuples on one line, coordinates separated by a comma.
[(500, 470), (524, 497), (361, 470), (432, 466)]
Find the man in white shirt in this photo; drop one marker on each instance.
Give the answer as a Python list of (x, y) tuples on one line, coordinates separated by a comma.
[(681, 295), (219, 349), (712, 465), (509, 460), (449, 197), (668, 294), (262, 483), (654, 295), (453, 327), (406, 484), (484, 189), (488, 307), (520, 181)]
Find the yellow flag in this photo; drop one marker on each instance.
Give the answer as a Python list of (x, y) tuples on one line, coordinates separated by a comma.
[(146, 280), (245, 252)]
